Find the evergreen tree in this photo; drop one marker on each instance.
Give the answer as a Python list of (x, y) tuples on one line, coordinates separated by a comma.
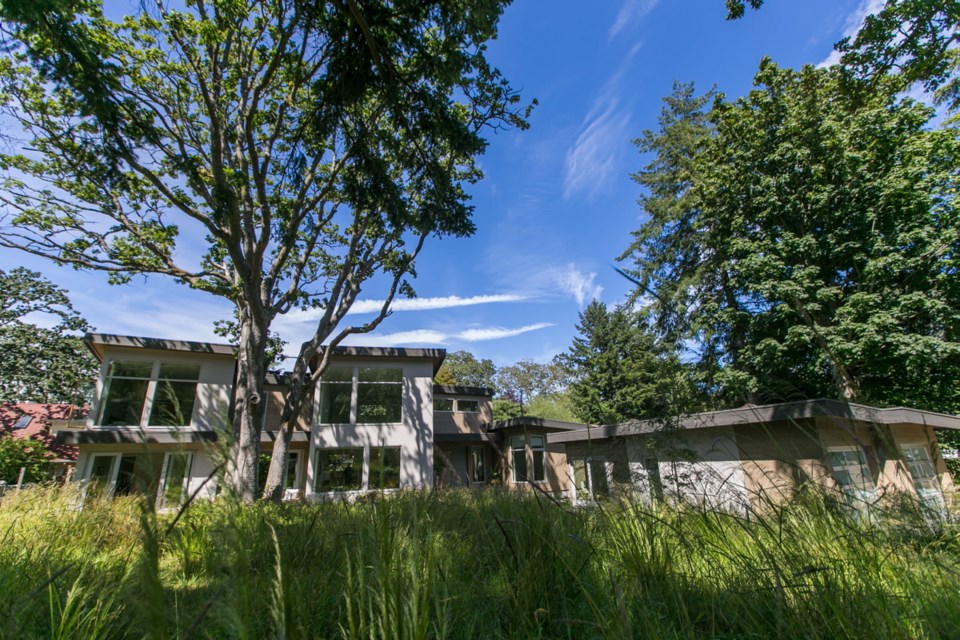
[(619, 371)]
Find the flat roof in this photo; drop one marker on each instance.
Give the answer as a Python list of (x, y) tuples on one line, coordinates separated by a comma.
[(528, 421), (820, 407), (458, 390), (437, 355), (97, 341)]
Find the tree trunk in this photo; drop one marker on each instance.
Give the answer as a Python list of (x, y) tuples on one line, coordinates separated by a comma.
[(248, 408), (292, 405)]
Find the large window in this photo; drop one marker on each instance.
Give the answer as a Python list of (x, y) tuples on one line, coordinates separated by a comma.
[(361, 395), (924, 476), (160, 394), (590, 479), (384, 468), (338, 470), (379, 395), (518, 454)]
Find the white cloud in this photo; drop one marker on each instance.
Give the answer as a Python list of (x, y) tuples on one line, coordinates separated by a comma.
[(431, 336), (300, 316), (496, 333), (574, 282), (591, 162), (630, 12), (426, 304), (852, 26)]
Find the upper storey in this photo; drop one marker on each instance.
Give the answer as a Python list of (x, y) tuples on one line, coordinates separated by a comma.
[(152, 383), (461, 410)]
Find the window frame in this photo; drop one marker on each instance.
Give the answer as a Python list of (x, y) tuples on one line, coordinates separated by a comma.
[(591, 463), (149, 395), (534, 451), (184, 482), (932, 495), (355, 383), (514, 476), (856, 496), (458, 409), (473, 450), (316, 471)]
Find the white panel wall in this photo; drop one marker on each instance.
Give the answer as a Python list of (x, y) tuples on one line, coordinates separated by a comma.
[(414, 435), (201, 469), (708, 472)]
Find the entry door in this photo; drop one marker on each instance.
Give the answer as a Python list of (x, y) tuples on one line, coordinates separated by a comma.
[(100, 477)]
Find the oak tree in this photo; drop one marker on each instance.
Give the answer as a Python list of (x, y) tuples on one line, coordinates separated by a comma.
[(277, 153)]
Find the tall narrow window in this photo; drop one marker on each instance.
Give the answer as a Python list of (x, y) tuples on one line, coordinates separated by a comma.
[(478, 463), (518, 458), (124, 393), (918, 462), (175, 395), (336, 392), (176, 477), (293, 468), (539, 464), (379, 395)]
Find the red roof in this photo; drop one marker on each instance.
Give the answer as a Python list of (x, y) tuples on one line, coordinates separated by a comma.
[(32, 420)]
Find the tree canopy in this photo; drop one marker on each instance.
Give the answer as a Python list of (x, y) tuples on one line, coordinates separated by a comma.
[(464, 369), (831, 269), (278, 153), (41, 364)]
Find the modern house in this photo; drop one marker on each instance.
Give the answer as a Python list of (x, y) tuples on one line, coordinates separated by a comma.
[(757, 454), (377, 422)]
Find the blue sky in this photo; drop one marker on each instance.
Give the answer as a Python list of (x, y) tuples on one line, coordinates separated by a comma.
[(557, 205)]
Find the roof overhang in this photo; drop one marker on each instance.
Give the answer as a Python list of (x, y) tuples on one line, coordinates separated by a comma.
[(436, 355), (155, 437), (526, 421), (783, 412), (457, 390), (98, 342)]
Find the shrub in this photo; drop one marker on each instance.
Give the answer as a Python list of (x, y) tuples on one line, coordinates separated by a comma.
[(17, 453)]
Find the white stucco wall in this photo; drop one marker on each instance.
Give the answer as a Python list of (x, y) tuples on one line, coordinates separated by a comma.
[(414, 434), (713, 474)]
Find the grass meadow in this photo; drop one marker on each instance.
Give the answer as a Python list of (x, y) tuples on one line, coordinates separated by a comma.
[(467, 564)]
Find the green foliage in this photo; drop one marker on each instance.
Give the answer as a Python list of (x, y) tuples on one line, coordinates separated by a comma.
[(462, 368), (17, 453), (619, 370), (40, 364), (830, 269), (504, 409), (471, 564), (527, 379), (552, 406), (915, 41)]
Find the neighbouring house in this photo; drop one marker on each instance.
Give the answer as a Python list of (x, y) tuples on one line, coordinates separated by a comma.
[(376, 422), (756, 454), (41, 422)]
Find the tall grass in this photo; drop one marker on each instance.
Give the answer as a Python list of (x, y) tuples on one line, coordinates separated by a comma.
[(471, 565)]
